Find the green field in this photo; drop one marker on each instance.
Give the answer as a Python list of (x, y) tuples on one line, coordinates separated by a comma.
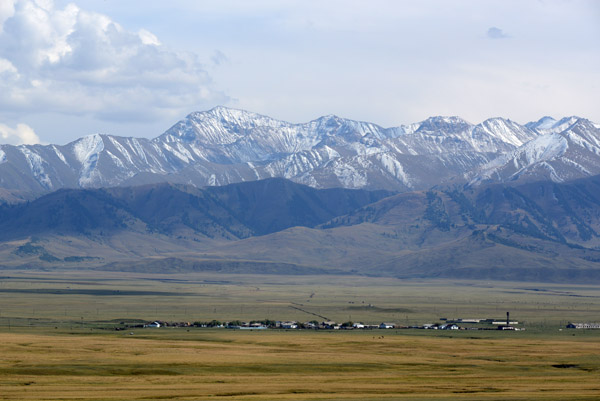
[(57, 339), (58, 298)]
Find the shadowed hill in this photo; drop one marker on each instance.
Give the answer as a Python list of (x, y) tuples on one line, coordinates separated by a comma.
[(274, 204), (66, 211), (232, 212), (540, 231)]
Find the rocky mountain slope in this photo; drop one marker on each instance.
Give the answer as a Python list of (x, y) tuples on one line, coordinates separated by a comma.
[(223, 146)]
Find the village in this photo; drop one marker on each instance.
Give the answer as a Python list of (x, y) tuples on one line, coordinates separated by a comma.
[(445, 324)]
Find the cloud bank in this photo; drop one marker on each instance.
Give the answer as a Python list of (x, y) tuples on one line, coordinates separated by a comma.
[(76, 62), (23, 134)]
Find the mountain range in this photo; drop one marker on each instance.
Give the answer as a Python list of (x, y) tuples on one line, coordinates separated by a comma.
[(223, 146), (540, 231), (232, 191)]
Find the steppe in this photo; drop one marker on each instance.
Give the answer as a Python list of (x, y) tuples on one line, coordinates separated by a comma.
[(58, 339)]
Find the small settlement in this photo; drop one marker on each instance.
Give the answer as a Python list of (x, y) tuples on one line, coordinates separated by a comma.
[(446, 324)]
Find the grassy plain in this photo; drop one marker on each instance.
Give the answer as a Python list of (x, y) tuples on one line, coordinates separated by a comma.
[(241, 365), (57, 339), (66, 297)]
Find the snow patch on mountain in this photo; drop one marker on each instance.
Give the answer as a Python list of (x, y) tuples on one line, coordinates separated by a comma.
[(551, 172), (544, 148), (578, 167), (59, 155), (254, 170), (36, 165), (212, 180), (395, 168), (349, 175), (121, 150), (116, 160), (87, 147), (2, 156), (138, 149), (87, 151), (297, 164)]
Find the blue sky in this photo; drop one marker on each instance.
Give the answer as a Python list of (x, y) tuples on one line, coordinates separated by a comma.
[(134, 68)]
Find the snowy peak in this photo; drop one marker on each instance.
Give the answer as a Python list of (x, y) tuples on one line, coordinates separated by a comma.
[(444, 125), (548, 125), (217, 126), (223, 146), (507, 131), (454, 135), (543, 123), (558, 155), (585, 134), (564, 123), (334, 126)]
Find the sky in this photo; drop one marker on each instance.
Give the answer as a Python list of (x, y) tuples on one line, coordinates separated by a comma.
[(135, 68)]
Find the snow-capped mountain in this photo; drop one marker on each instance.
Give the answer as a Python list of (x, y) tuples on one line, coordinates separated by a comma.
[(548, 125), (559, 154), (224, 145)]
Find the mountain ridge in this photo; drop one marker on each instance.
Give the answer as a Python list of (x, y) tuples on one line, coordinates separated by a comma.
[(541, 231), (222, 146)]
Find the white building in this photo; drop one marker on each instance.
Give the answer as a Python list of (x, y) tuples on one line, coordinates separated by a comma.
[(583, 326)]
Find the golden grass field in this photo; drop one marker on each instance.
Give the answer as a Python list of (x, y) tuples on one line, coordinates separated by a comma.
[(57, 339), (241, 365)]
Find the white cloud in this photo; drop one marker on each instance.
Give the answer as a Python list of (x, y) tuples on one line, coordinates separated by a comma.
[(22, 134), (7, 10), (148, 38), (72, 61)]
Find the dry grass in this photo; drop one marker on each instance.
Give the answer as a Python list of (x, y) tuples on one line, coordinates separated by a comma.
[(220, 364), (81, 360)]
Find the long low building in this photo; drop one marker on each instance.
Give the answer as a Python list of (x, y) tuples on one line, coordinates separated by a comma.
[(583, 326)]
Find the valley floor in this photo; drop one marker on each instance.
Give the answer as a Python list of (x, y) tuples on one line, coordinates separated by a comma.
[(58, 339), (234, 365)]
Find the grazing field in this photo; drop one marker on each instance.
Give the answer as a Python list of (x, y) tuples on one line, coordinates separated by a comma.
[(58, 339), (242, 365), (64, 298)]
